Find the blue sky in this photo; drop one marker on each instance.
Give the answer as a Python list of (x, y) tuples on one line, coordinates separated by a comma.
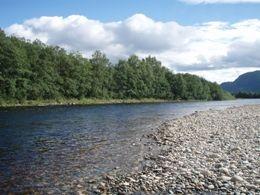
[(16, 11), (215, 40)]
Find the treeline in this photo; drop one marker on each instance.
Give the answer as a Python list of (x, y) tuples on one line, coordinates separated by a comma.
[(247, 95), (35, 71)]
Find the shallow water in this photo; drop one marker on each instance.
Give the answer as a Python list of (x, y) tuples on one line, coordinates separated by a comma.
[(46, 147)]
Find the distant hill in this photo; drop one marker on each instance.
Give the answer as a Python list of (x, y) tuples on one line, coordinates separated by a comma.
[(248, 82)]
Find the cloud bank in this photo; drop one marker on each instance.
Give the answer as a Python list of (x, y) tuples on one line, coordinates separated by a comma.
[(219, 1), (218, 51)]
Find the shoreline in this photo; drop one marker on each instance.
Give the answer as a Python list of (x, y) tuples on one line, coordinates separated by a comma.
[(89, 101), (205, 152), (83, 102)]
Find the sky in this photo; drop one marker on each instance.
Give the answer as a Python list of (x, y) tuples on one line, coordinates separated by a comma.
[(215, 39)]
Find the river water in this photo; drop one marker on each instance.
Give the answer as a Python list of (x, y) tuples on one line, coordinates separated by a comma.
[(50, 147)]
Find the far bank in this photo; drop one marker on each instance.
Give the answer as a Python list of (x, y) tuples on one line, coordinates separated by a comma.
[(85, 101)]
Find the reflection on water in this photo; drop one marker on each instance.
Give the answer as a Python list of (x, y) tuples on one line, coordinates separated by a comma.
[(49, 146)]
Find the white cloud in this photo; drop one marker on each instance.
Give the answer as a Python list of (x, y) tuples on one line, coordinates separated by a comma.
[(219, 1), (215, 50)]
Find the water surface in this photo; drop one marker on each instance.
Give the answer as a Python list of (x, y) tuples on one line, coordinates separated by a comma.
[(53, 147)]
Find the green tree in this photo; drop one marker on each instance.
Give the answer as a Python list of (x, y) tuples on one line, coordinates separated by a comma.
[(33, 70), (100, 75)]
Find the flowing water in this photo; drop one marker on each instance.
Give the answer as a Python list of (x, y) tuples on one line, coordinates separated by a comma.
[(45, 147)]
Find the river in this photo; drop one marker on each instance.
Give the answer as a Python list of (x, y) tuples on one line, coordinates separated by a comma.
[(47, 147)]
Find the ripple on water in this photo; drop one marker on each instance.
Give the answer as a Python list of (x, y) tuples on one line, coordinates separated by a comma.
[(53, 149)]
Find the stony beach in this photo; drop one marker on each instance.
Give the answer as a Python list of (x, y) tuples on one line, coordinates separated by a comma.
[(214, 151)]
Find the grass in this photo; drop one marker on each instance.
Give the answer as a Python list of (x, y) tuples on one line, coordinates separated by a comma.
[(84, 101), (91, 101)]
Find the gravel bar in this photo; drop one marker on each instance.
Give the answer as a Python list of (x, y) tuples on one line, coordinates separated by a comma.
[(207, 152)]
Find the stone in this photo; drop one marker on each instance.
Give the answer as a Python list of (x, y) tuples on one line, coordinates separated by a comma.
[(225, 178), (211, 187), (218, 165), (237, 178), (214, 155), (80, 193), (235, 149), (224, 170), (257, 181), (250, 186), (108, 177), (125, 184), (188, 163), (206, 172)]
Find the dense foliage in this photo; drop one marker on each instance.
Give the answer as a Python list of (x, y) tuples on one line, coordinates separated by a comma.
[(247, 95), (35, 71)]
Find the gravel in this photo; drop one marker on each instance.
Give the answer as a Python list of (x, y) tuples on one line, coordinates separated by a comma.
[(215, 151)]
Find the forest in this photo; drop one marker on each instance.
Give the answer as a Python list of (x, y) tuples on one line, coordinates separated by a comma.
[(36, 71), (246, 95)]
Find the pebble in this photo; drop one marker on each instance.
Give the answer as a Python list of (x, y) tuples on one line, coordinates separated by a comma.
[(235, 149), (257, 181), (250, 186), (214, 155), (237, 178), (207, 152), (224, 170), (125, 184), (225, 178), (206, 173), (211, 187)]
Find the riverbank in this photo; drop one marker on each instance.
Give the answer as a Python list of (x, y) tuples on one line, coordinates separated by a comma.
[(85, 101), (88, 101), (215, 151)]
